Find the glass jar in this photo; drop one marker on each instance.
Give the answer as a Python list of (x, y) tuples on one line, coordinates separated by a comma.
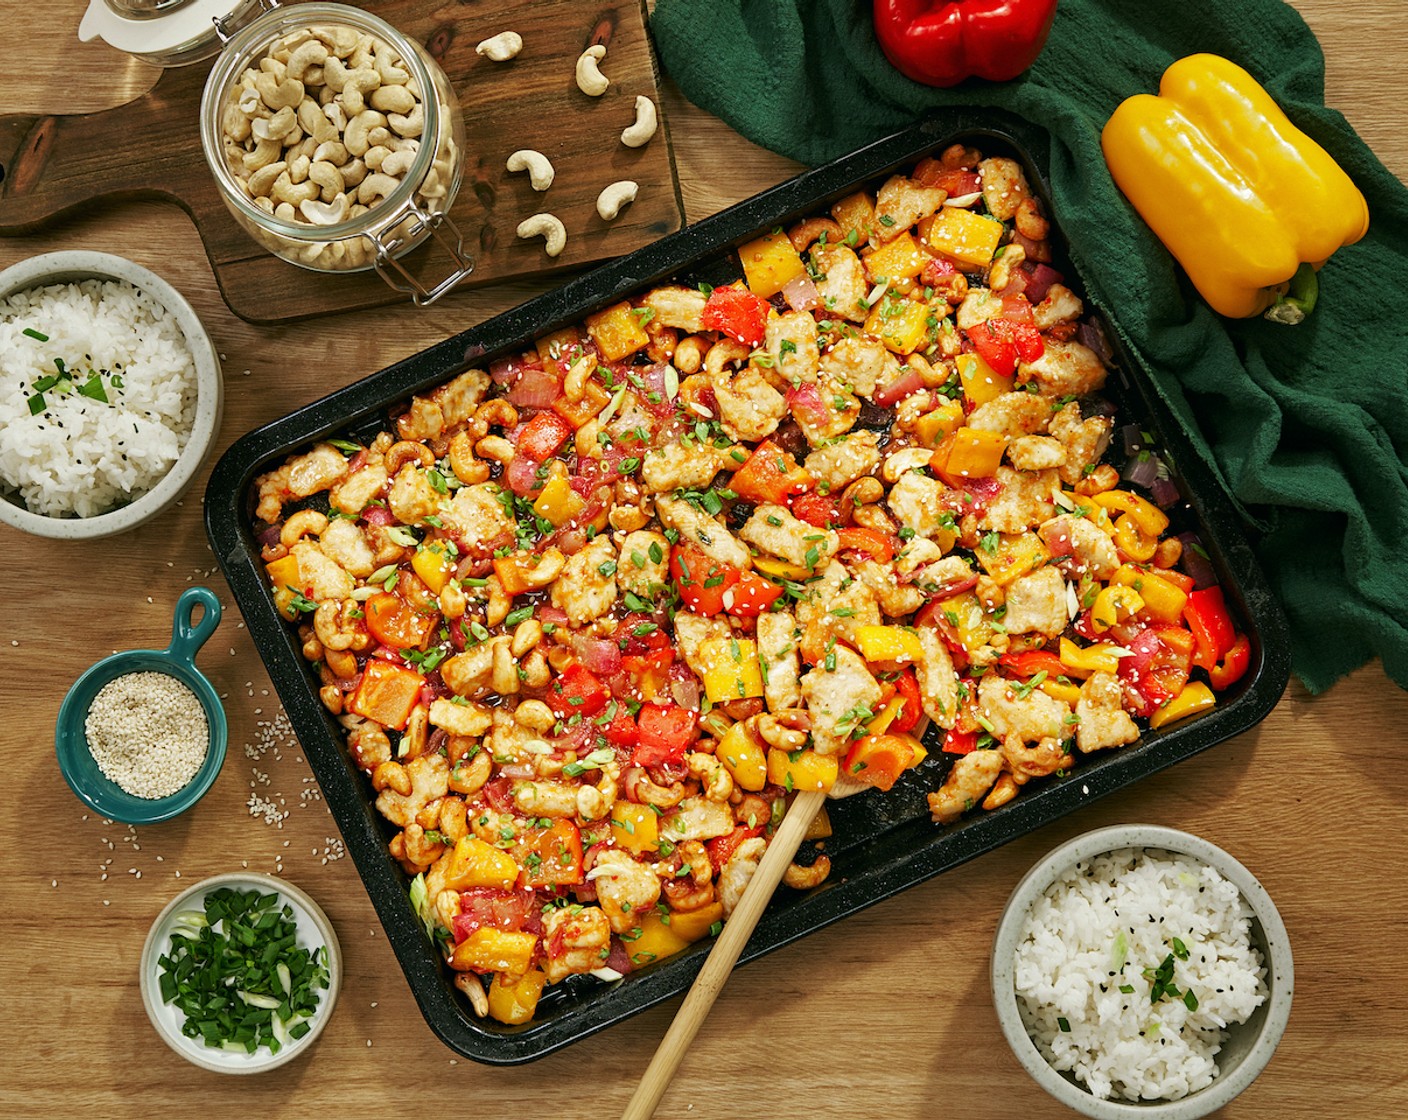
[(336, 142), (165, 32)]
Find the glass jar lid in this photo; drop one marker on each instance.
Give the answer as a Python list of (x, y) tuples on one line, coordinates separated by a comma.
[(167, 32)]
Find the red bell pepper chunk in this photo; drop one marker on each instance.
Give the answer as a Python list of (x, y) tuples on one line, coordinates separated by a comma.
[(942, 42), (551, 857), (875, 544), (1030, 662), (751, 595), (577, 692), (666, 731), (913, 709), (955, 181), (721, 848), (620, 730), (543, 435), (1233, 667), (1002, 342), (878, 760), (736, 312), (817, 509), (1158, 669), (701, 581), (770, 475), (960, 742), (1211, 625)]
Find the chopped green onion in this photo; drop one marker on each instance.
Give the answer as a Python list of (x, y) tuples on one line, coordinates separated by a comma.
[(32, 333)]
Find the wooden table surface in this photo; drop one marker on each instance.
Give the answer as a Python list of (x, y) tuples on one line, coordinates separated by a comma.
[(884, 1015)]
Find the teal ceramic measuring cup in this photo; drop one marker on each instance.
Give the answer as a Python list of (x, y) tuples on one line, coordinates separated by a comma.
[(178, 660)]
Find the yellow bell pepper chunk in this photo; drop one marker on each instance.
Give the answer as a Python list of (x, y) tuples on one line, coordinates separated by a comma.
[(743, 757), (1058, 690), (434, 564), (495, 950), (968, 453), (963, 236), (1104, 657), (1196, 697), (635, 827), (820, 828), (888, 643), (559, 503), (886, 716), (555, 346), (617, 332), (1115, 604), (802, 770), (731, 669), (900, 259), (514, 1003), (971, 625), (283, 574), (981, 383), (474, 863), (1149, 517), (855, 214), (901, 324), (694, 925), (656, 940), (931, 428), (1133, 541), (1235, 191), (1016, 555), (770, 566), (1163, 601), (770, 263)]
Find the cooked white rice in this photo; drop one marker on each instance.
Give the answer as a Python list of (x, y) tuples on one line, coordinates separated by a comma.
[(1098, 928), (79, 455)]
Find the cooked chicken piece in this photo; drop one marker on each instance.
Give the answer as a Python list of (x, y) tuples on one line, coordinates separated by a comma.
[(896, 599), (692, 631), (917, 552), (556, 800), (677, 467), (697, 818), (1004, 186), (467, 720), (738, 872), (778, 637), (343, 542), (1026, 498), (430, 779), (469, 673), (839, 699), (774, 530), (1036, 453), (837, 416), (476, 516), (970, 778), (916, 501), (316, 470), (677, 307), (791, 340), (837, 465), (412, 499), (900, 203), (643, 566), (584, 589), (627, 890), (1012, 414), (749, 407), (938, 681), (352, 494), (843, 286), (1103, 720), (860, 364), (444, 408), (1061, 305), (1030, 717), (941, 576), (834, 607), (319, 576), (1085, 440), (1094, 552), (1036, 604), (574, 939), (1065, 369), (978, 306), (699, 529)]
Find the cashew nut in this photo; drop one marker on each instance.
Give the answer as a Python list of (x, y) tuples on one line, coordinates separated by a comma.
[(590, 79), (327, 176), (501, 47), (376, 186), (262, 181), (393, 99), (538, 166), (638, 135), (610, 201), (279, 94), (801, 878), (357, 136), (549, 228), (409, 124), (324, 213), (309, 54)]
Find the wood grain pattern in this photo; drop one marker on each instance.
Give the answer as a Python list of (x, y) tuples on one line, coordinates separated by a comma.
[(149, 147), (885, 1015)]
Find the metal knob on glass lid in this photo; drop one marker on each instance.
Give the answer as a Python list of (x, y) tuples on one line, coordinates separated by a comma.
[(337, 143), (165, 32)]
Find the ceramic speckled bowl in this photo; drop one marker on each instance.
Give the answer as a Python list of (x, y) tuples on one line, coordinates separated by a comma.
[(1249, 1045)]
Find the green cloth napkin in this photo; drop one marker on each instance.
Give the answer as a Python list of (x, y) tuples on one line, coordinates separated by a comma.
[(1305, 425)]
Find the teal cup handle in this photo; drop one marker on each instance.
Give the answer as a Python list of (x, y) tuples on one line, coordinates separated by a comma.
[(187, 637)]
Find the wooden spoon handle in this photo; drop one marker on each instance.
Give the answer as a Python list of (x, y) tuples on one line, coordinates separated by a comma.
[(723, 957)]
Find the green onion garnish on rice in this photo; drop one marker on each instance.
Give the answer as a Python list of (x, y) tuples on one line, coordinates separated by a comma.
[(37, 335)]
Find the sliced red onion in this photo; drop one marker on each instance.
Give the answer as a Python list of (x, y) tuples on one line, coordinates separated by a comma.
[(572, 541), (685, 691), (801, 294), (887, 396), (270, 536), (535, 387), (1040, 277), (1039, 251), (1164, 492), (1132, 438), (1141, 470), (1018, 283), (805, 401), (1195, 562), (600, 656), (521, 476), (505, 370), (1093, 338)]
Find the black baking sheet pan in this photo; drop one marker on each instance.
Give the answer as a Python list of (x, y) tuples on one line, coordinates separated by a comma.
[(883, 842)]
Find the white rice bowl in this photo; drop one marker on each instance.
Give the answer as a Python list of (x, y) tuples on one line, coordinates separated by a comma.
[(1096, 929), (80, 456)]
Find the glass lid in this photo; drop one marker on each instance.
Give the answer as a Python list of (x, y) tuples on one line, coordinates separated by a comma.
[(166, 32)]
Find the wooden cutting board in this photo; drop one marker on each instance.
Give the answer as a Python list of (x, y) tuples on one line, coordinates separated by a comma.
[(150, 148)]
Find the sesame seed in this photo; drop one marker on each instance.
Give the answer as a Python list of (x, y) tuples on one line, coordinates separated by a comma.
[(148, 734)]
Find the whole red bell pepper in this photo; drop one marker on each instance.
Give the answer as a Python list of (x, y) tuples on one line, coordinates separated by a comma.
[(941, 42)]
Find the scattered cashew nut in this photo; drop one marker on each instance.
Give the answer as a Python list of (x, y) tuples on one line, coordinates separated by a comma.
[(502, 47), (538, 166), (590, 79), (638, 135), (610, 201), (324, 213), (549, 228)]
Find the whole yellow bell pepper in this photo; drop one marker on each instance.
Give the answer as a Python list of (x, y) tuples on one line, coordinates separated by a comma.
[(1248, 204)]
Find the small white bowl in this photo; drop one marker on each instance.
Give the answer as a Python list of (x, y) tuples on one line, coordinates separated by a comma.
[(314, 929), (1249, 1045), (74, 265)]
